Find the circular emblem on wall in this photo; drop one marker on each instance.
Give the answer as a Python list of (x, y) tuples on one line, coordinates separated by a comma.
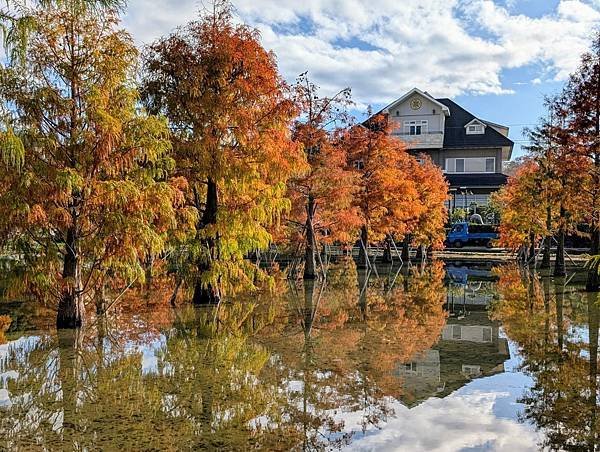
[(415, 103)]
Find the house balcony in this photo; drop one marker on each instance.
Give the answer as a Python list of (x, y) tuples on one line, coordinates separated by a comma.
[(428, 140)]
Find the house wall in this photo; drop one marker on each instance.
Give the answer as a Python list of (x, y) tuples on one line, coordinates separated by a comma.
[(403, 112), (439, 156), (433, 113)]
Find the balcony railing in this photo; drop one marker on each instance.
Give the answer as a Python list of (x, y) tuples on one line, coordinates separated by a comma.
[(425, 140)]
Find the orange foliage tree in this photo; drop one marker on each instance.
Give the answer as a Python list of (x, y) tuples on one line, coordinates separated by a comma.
[(522, 206), (428, 230), (543, 198), (322, 197), (580, 113), (230, 117), (388, 199), (84, 187)]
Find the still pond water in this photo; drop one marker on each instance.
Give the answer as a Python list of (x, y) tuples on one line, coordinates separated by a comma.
[(435, 358)]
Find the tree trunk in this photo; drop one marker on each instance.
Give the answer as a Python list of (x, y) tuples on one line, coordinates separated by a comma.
[(547, 240), (387, 251), (421, 254), (71, 309), (559, 263), (310, 255), (406, 249), (173, 298), (149, 271), (593, 279), (531, 251), (364, 248), (100, 299), (206, 294)]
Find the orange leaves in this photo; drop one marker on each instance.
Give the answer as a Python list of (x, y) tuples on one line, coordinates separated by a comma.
[(539, 184), (322, 195), (522, 207), (5, 322), (37, 215), (433, 194), (387, 198)]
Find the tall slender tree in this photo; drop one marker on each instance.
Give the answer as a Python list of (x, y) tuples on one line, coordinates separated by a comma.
[(428, 229), (522, 208), (580, 106), (80, 197), (322, 197), (230, 118), (388, 198)]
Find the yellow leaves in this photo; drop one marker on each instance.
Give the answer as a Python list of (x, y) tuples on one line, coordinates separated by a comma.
[(69, 180), (12, 149)]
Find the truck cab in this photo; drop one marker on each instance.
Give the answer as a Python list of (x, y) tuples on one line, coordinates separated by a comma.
[(465, 234)]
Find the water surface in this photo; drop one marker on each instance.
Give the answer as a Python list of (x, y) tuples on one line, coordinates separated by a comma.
[(437, 357)]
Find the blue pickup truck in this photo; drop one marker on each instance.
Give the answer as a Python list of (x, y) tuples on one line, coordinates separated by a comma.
[(464, 234)]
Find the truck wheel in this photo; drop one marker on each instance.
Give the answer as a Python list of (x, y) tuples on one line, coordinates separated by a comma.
[(489, 244), (458, 244)]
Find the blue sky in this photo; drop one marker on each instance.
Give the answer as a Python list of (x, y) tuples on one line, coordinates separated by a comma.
[(498, 59)]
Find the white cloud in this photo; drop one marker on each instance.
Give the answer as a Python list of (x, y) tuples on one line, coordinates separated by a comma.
[(476, 417), (383, 48)]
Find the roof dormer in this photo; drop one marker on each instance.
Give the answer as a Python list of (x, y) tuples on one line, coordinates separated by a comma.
[(475, 127)]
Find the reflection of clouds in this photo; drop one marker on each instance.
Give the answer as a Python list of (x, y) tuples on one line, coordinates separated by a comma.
[(19, 347), (476, 417), (148, 351), (4, 398)]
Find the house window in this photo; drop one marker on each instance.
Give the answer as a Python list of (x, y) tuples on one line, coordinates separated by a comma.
[(359, 164), (471, 165), (456, 332), (487, 335), (410, 367), (415, 127), (471, 370), (475, 129)]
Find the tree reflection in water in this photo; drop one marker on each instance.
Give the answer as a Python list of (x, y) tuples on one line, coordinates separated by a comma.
[(556, 328), (275, 371)]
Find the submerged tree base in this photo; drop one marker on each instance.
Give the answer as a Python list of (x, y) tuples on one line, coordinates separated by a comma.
[(205, 296), (71, 313)]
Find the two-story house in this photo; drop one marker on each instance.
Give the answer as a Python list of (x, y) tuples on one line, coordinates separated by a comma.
[(470, 150)]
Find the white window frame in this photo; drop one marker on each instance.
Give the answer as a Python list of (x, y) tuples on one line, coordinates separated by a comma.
[(475, 127), (451, 165), (422, 126)]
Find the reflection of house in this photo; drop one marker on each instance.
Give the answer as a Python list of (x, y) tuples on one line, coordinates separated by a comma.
[(469, 348), (420, 377), (469, 286), (471, 333)]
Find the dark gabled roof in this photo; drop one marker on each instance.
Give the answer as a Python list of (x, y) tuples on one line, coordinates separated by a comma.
[(455, 134), (477, 180)]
